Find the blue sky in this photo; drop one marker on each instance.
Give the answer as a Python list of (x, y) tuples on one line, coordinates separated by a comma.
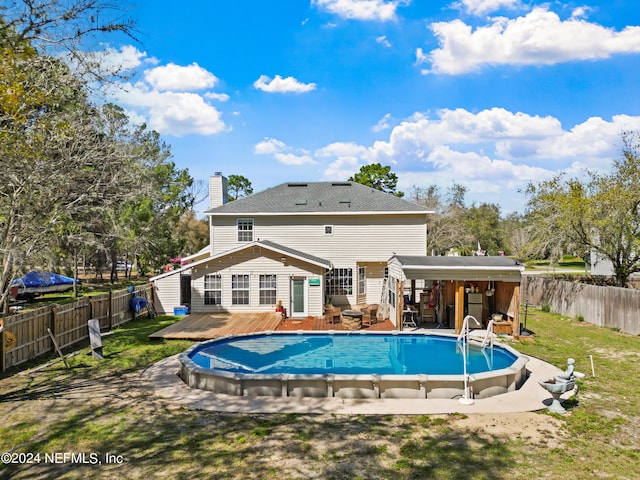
[(491, 94)]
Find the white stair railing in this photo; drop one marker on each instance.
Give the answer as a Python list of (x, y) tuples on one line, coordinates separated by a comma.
[(488, 338), (463, 338), (464, 332)]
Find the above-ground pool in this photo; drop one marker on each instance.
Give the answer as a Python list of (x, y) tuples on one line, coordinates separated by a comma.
[(361, 365)]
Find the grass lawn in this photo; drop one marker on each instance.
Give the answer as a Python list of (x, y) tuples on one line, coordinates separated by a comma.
[(104, 408), (568, 262)]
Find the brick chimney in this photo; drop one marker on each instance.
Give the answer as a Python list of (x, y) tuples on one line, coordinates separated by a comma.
[(217, 190)]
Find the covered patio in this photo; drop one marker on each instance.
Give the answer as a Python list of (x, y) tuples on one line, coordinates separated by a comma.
[(443, 290)]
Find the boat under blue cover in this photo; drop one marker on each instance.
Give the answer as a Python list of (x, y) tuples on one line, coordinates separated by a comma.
[(38, 282)]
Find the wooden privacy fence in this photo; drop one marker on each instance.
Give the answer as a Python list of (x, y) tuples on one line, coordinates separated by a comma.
[(25, 335), (612, 307)]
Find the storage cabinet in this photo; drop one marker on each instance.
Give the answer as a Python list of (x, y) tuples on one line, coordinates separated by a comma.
[(426, 314)]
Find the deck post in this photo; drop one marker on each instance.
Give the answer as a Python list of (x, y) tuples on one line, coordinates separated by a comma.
[(110, 311), (3, 363), (400, 305), (516, 311), (459, 305)]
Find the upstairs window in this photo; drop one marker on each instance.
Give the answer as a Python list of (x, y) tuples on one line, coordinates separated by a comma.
[(245, 230)]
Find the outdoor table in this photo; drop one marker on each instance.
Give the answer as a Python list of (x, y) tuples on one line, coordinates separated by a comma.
[(352, 319)]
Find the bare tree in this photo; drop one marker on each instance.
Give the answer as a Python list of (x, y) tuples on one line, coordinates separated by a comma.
[(68, 29)]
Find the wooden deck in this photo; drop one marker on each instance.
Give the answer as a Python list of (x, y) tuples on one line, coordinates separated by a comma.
[(320, 323), (205, 326)]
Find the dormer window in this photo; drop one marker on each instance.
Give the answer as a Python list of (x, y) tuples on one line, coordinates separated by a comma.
[(245, 230)]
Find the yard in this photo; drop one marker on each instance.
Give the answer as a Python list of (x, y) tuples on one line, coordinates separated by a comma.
[(104, 411)]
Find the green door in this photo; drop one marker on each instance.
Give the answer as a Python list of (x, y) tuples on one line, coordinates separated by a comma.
[(298, 307)]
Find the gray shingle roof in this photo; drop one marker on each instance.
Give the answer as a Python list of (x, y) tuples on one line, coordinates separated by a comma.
[(295, 253), (459, 261), (461, 268), (318, 197)]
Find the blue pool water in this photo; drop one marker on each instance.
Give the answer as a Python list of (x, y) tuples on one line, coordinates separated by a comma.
[(383, 354)]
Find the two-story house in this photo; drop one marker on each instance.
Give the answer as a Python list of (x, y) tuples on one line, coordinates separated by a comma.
[(302, 244)]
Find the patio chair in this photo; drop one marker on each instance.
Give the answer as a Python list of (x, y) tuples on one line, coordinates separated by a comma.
[(370, 315), (332, 314)]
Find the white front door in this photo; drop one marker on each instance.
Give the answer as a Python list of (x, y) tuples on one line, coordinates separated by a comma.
[(298, 290)]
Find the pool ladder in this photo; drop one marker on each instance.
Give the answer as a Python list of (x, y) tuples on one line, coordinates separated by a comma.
[(465, 333)]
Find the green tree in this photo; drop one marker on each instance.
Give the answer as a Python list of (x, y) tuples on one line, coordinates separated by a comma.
[(599, 214), (67, 30), (482, 223), (54, 156), (518, 236), (238, 187), (446, 228), (456, 194), (194, 233), (376, 176)]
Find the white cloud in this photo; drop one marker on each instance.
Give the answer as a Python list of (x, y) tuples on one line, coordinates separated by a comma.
[(282, 152), (341, 169), (117, 61), (376, 10), (176, 77), (474, 167), (349, 157), (482, 7), (581, 12), (221, 97), (342, 149), (164, 96), (173, 113), (538, 38), (383, 124), (595, 139), (461, 127), (293, 159), (128, 57), (493, 151), (269, 146), (382, 40), (282, 85)]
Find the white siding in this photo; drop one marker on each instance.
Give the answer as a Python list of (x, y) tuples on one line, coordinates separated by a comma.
[(356, 239), (375, 277), (364, 238), (255, 262), (395, 269), (167, 293)]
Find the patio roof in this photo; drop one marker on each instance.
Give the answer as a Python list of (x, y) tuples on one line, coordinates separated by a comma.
[(280, 249), (459, 268)]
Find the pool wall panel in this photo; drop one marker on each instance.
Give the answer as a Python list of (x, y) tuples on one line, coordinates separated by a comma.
[(483, 385)]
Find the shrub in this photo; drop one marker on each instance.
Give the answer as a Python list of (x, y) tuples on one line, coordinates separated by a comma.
[(546, 307), (580, 318)]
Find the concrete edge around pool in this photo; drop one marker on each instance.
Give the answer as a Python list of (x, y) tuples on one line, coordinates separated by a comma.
[(162, 378)]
